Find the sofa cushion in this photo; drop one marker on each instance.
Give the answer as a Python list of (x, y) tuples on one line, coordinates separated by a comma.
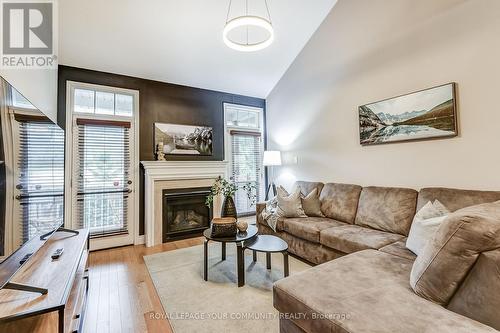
[(308, 228), (366, 291), (340, 201), (454, 199), (307, 187), (399, 249), (478, 296), (387, 208), (449, 255), (352, 238)]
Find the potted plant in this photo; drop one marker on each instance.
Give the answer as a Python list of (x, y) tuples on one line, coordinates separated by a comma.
[(227, 189)]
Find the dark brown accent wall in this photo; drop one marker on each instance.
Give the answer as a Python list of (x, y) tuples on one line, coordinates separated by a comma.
[(161, 102)]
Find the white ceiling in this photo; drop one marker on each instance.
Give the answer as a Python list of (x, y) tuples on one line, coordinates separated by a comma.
[(180, 41)]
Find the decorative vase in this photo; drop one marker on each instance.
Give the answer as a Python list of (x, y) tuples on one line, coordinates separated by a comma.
[(229, 208), (242, 226)]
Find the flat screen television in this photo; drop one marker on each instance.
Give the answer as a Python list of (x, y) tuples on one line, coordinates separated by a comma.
[(31, 180)]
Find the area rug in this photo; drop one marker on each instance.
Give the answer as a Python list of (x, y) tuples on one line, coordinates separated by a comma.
[(217, 305)]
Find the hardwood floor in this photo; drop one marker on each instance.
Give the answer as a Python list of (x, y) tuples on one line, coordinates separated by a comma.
[(122, 297)]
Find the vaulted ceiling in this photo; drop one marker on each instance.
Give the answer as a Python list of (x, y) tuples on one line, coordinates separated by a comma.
[(180, 41)]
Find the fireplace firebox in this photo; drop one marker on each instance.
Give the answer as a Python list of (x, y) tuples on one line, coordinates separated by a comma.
[(185, 212)]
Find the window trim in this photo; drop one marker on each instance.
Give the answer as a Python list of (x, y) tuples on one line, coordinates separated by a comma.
[(8, 145), (71, 146)]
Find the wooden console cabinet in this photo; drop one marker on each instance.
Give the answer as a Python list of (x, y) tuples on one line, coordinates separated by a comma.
[(62, 309)]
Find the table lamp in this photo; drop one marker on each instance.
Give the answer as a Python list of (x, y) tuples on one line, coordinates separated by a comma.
[(271, 158)]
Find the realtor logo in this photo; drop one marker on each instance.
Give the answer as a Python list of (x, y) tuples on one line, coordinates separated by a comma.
[(28, 34)]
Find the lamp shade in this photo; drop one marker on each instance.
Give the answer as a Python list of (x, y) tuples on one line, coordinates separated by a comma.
[(272, 157)]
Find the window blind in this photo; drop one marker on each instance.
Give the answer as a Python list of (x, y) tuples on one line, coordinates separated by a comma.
[(41, 178), (246, 161), (103, 169)]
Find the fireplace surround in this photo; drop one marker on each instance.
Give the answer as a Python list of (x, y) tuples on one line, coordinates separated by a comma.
[(161, 175)]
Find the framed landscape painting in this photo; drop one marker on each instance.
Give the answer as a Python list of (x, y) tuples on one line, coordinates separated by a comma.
[(183, 139), (425, 114)]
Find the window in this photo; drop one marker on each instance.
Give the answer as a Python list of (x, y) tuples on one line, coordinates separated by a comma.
[(243, 118), (104, 163), (41, 179), (102, 175), (103, 103), (19, 101), (246, 168), (244, 152)]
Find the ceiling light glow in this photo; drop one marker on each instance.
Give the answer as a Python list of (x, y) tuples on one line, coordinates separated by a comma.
[(246, 21)]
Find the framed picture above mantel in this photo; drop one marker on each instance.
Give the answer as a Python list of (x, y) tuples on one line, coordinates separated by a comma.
[(425, 114), (175, 139)]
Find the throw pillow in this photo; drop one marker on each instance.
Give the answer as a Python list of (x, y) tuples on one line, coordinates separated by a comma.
[(311, 204), (421, 232), (430, 210), (425, 224), (440, 208), (289, 205), (283, 191)]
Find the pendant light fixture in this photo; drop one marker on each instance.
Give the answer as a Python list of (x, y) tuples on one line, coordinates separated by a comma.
[(249, 22)]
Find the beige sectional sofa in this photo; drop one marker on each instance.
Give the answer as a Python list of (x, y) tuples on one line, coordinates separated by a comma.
[(362, 280)]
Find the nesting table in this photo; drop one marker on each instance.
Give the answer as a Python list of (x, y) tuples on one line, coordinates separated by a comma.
[(240, 237), (269, 244), (247, 240)]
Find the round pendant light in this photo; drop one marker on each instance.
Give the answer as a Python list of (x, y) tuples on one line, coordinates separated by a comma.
[(248, 21)]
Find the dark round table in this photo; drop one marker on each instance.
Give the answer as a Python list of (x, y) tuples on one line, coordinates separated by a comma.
[(269, 244), (239, 238)]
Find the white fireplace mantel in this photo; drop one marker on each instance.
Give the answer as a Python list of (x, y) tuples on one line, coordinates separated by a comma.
[(190, 172)]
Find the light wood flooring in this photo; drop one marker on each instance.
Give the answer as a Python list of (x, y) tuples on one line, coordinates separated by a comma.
[(122, 297)]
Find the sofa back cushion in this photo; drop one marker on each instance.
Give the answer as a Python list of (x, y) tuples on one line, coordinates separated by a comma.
[(455, 199), (340, 201), (478, 296), (307, 187), (388, 209), (449, 256)]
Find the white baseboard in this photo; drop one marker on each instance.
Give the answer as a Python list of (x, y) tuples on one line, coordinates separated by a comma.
[(139, 240)]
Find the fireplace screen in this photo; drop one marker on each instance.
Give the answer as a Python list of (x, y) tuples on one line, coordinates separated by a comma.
[(185, 212)]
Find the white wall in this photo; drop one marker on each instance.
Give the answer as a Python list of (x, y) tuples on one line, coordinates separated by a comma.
[(39, 86), (368, 50)]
